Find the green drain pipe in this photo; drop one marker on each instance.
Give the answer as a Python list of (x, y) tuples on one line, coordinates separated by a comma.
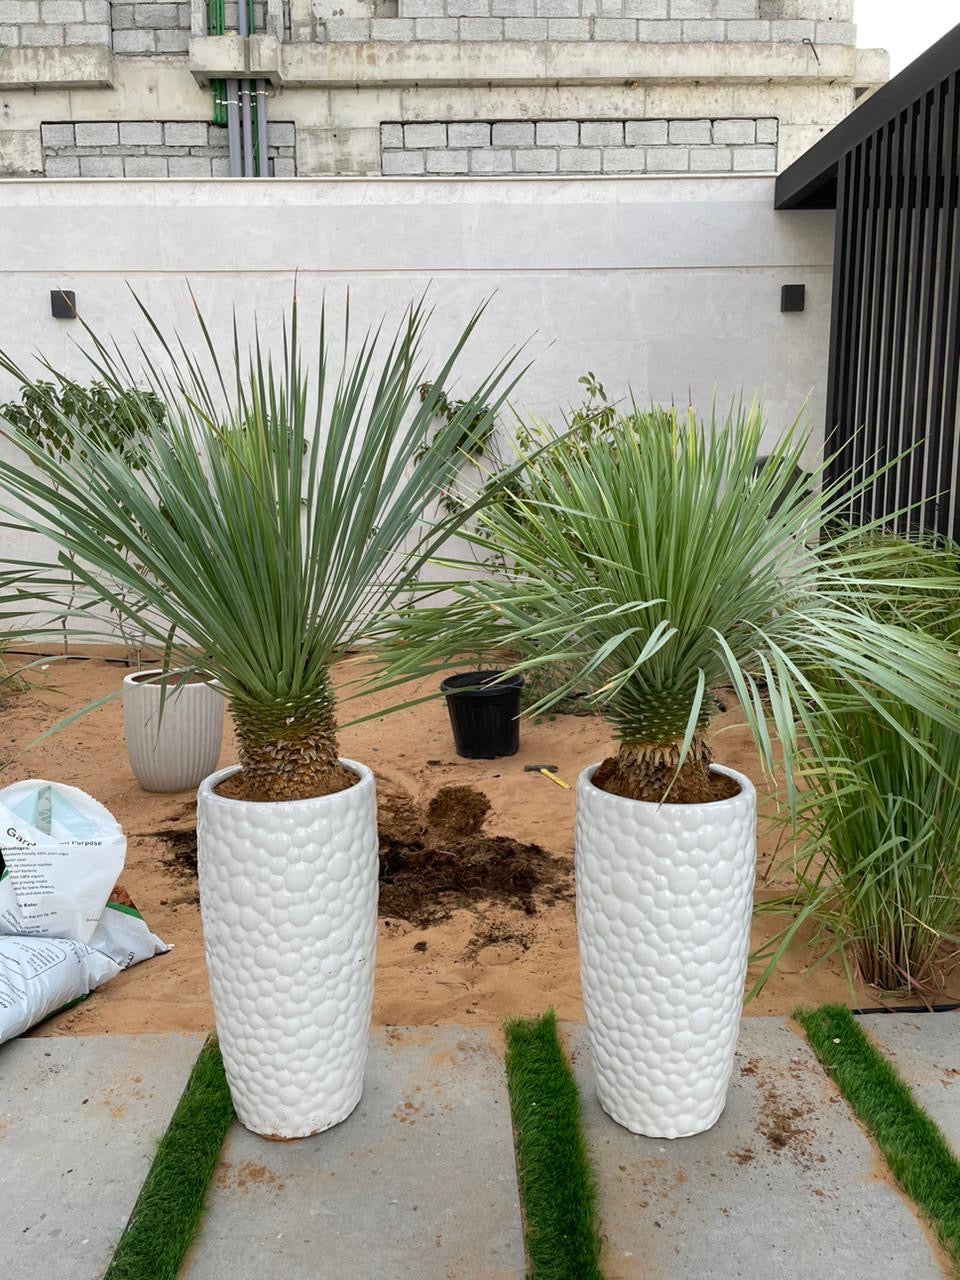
[(218, 88), (216, 26), (254, 113)]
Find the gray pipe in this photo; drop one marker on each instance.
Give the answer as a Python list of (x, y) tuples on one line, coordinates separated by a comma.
[(247, 124), (243, 26), (262, 129), (233, 128)]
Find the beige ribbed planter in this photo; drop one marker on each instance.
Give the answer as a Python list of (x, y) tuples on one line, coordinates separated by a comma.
[(175, 751)]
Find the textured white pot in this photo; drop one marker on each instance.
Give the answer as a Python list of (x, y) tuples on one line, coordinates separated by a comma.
[(288, 896), (175, 751), (664, 903)]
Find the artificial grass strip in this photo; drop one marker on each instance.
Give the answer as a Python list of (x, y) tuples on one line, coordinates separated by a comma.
[(556, 1183), (170, 1205), (912, 1145)]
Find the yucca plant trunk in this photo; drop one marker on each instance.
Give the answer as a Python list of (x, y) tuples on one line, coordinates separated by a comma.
[(652, 771), (286, 753)]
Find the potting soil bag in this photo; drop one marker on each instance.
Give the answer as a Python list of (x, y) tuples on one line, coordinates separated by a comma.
[(63, 853), (62, 932), (40, 975)]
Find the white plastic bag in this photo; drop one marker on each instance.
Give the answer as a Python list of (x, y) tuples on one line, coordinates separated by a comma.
[(64, 853), (38, 976), (60, 937)]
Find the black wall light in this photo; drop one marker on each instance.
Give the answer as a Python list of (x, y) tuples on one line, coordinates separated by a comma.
[(793, 297), (63, 304)]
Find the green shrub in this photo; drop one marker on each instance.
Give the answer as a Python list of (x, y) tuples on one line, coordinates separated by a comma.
[(655, 563), (878, 859)]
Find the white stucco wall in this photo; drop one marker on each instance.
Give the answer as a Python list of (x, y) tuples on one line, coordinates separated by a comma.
[(669, 287)]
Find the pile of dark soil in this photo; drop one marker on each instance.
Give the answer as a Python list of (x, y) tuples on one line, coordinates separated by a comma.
[(457, 811), (436, 862), (180, 853)]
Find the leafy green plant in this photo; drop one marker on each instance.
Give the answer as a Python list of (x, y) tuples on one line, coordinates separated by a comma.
[(594, 416), (11, 682), (65, 418), (657, 564), (279, 508), (471, 444), (476, 445), (877, 865)]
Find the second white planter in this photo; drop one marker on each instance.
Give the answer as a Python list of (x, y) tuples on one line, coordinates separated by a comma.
[(664, 904), (176, 750), (288, 896)]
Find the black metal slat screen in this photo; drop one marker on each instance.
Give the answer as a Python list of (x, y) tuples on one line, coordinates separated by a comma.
[(895, 330)]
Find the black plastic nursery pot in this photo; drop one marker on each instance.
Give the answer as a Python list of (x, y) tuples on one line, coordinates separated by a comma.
[(484, 717)]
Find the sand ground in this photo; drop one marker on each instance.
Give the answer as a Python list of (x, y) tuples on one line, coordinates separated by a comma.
[(460, 975)]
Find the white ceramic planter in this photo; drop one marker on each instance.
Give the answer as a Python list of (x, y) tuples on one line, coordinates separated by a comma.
[(664, 903), (288, 895), (175, 751)]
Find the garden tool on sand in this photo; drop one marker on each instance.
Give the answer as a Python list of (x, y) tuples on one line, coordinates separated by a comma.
[(548, 771)]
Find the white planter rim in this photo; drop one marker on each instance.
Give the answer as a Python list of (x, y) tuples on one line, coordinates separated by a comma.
[(746, 789), (206, 788), (153, 678)]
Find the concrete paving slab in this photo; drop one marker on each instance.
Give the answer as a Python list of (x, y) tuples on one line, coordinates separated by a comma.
[(925, 1049), (80, 1118), (785, 1184), (418, 1183)]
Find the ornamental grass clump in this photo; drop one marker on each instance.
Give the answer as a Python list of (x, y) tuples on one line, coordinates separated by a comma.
[(668, 559), (877, 864), (282, 504)]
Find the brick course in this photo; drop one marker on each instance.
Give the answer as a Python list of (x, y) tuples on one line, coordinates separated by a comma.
[(157, 27), (154, 149), (50, 23), (580, 146), (652, 21)]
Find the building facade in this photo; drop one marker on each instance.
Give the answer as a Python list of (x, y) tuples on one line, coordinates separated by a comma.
[(284, 88)]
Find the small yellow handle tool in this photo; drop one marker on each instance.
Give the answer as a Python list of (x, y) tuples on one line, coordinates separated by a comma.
[(548, 771)]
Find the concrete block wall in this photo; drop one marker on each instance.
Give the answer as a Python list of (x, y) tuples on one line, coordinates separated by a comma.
[(141, 28), (452, 65), (259, 15), (534, 20), (656, 21), (350, 140), (146, 28), (153, 149), (579, 146), (150, 27), (676, 11), (53, 23)]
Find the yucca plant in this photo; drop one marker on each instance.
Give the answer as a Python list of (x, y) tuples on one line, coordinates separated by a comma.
[(878, 860), (661, 562), (282, 504)]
